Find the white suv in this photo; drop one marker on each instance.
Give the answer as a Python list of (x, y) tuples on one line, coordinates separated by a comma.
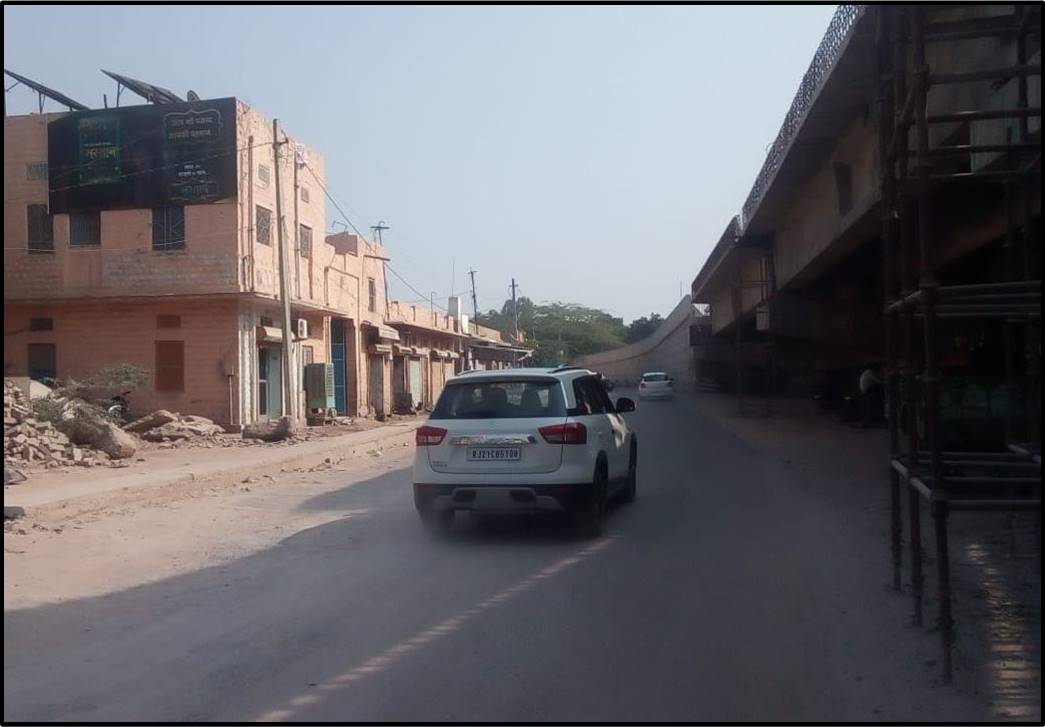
[(518, 440)]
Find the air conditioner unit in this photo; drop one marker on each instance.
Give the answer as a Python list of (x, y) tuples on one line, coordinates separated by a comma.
[(301, 328), (319, 387)]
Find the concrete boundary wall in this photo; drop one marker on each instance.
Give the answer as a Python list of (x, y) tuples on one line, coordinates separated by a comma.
[(667, 349)]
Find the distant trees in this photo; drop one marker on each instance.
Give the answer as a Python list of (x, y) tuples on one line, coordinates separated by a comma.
[(642, 327), (560, 331)]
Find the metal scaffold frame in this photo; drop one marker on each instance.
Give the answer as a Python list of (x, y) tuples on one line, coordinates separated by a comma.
[(950, 481)]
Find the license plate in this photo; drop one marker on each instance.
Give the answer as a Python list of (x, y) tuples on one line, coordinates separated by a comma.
[(494, 454)]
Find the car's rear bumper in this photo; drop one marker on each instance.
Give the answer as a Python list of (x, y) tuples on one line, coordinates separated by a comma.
[(502, 498)]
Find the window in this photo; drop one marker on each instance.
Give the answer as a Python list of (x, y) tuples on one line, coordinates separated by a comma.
[(263, 175), (371, 293), (304, 195), (170, 366), (85, 228), (511, 399), (168, 321), (305, 241), (590, 398), (263, 233), (35, 172), (168, 228), (844, 187), (41, 324), (42, 362), (40, 227)]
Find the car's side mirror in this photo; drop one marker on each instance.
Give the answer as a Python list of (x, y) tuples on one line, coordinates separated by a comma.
[(624, 404)]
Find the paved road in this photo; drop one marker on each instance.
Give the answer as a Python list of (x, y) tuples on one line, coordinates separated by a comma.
[(731, 590)]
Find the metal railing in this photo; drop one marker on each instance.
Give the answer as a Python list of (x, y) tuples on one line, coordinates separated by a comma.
[(827, 53)]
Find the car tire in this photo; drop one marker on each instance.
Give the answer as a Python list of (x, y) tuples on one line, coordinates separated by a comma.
[(589, 519), (630, 490), (437, 522)]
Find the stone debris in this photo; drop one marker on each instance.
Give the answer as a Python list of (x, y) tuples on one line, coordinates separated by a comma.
[(270, 431), (151, 421), (173, 429), (36, 442)]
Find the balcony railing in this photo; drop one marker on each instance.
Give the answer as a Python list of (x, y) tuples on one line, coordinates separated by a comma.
[(827, 53)]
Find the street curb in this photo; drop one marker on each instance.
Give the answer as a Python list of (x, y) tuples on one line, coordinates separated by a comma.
[(191, 484)]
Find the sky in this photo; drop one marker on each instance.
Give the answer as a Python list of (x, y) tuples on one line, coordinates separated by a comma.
[(595, 154)]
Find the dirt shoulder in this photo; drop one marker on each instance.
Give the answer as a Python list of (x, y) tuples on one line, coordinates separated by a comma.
[(62, 554), (163, 475)]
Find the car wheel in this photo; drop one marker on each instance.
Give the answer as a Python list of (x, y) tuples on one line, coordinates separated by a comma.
[(631, 485), (438, 522), (589, 519)]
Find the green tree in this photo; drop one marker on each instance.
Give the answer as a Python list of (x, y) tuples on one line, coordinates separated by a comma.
[(642, 327)]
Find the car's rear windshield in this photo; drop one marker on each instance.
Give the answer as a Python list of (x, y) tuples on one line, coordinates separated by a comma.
[(655, 377), (508, 399)]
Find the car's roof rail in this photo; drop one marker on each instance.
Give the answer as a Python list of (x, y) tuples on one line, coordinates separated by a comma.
[(468, 371), (560, 369)]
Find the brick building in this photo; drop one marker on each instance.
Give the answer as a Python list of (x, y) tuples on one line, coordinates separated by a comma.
[(185, 289)]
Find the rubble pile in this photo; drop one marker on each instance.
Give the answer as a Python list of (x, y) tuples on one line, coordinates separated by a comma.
[(173, 429), (38, 442)]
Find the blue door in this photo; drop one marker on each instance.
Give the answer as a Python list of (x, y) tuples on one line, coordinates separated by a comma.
[(337, 357)]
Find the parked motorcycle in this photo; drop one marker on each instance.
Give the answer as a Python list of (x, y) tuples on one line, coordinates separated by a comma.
[(118, 408)]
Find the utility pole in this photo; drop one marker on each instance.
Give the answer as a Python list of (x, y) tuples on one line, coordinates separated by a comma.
[(475, 301), (289, 390), (515, 309), (377, 230)]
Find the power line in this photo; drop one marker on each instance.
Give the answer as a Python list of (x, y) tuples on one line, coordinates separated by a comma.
[(136, 174), (348, 220)]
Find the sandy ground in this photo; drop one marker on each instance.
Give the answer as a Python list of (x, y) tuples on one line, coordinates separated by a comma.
[(124, 541)]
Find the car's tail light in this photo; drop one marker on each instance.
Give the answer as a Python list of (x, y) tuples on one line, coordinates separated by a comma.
[(569, 433), (429, 436)]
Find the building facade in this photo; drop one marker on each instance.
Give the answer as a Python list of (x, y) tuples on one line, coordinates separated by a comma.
[(188, 286)]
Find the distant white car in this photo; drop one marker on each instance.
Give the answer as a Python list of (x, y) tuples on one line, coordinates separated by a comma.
[(656, 385), (523, 440)]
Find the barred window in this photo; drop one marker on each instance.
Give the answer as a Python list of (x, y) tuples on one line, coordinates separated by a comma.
[(35, 172), (85, 228), (168, 228), (263, 226), (263, 175), (305, 241), (41, 228)]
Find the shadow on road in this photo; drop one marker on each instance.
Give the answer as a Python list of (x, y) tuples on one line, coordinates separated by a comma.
[(203, 643)]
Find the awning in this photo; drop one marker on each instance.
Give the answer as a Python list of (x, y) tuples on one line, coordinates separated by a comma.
[(380, 348), (405, 350), (268, 334), (384, 332)]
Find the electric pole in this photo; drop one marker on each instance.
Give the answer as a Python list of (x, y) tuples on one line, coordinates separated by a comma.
[(515, 310), (475, 301), (377, 230), (289, 390)]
